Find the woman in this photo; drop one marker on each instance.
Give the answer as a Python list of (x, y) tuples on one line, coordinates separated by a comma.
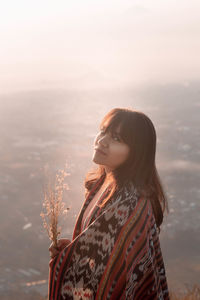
[(115, 251)]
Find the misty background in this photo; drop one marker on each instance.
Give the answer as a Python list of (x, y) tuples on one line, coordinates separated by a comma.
[(64, 65)]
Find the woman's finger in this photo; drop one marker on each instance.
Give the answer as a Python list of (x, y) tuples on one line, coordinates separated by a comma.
[(54, 252), (62, 243), (52, 248), (53, 255)]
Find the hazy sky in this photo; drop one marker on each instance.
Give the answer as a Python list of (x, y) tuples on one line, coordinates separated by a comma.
[(83, 43)]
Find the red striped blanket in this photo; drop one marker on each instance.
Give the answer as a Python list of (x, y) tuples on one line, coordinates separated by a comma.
[(116, 256)]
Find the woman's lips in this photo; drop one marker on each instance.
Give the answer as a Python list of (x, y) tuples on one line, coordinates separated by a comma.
[(100, 151)]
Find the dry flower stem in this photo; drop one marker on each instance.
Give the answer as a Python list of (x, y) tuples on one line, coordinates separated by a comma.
[(54, 205)]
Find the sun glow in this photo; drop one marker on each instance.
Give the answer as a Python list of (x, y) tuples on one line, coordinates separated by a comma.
[(90, 43)]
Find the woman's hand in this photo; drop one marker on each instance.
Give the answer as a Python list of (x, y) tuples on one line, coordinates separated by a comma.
[(62, 243)]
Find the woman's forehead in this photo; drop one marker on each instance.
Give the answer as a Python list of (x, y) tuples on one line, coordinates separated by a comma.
[(112, 126)]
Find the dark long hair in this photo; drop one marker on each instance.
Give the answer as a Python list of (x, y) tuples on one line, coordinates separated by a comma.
[(138, 132)]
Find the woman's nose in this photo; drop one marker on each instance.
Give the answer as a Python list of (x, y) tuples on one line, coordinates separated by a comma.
[(103, 141)]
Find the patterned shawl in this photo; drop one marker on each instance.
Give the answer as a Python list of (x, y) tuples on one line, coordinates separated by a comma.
[(116, 255)]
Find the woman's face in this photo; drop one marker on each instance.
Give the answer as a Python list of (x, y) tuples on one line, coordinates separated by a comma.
[(115, 151)]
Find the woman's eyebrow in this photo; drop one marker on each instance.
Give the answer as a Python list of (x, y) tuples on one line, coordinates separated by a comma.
[(114, 130), (117, 132)]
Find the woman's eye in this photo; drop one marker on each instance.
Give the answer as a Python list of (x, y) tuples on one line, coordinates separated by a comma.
[(117, 138)]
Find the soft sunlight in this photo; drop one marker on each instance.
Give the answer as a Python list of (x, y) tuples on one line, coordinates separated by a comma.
[(97, 43)]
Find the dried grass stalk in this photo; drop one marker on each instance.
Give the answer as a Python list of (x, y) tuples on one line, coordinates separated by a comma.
[(54, 205)]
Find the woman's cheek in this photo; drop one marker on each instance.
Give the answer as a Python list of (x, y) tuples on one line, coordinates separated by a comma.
[(116, 152), (122, 153)]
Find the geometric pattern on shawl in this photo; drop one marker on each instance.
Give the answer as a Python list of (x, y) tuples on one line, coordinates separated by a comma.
[(117, 255)]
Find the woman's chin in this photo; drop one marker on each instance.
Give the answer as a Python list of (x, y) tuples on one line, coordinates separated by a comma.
[(96, 160)]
